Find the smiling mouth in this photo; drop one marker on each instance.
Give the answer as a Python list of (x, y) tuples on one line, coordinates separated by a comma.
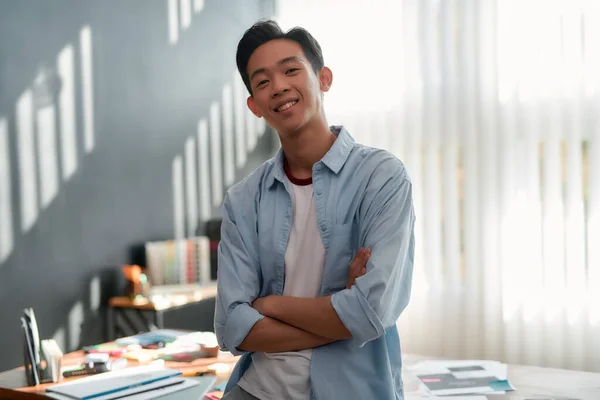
[(286, 106)]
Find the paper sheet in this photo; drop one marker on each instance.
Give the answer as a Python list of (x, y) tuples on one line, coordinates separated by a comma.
[(461, 369)]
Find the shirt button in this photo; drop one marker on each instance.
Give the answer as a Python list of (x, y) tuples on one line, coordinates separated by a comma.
[(319, 192), (323, 228), (318, 167)]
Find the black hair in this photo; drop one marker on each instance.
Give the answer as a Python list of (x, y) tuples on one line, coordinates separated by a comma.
[(266, 30)]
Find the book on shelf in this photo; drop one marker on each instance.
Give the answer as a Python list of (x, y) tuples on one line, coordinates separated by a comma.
[(177, 262)]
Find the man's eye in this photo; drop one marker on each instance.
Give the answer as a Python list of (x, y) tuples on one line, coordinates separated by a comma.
[(261, 83), (292, 70)]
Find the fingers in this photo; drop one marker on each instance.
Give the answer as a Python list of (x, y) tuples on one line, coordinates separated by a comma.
[(366, 255), (360, 261), (358, 266)]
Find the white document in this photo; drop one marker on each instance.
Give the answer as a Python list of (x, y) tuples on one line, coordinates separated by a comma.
[(445, 398), (192, 388), (471, 374)]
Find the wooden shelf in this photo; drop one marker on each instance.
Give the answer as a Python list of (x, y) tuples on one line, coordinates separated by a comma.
[(165, 302)]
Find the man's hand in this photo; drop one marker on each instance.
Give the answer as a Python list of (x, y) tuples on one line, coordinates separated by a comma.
[(358, 266)]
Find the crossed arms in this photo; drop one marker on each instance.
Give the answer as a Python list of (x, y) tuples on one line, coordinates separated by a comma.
[(286, 328), (370, 303)]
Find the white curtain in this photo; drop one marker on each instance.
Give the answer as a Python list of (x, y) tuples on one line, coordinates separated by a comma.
[(493, 106)]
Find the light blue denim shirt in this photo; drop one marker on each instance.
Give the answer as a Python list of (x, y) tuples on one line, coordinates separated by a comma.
[(363, 198)]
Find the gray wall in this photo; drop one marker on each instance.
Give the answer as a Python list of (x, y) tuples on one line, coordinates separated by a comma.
[(66, 227)]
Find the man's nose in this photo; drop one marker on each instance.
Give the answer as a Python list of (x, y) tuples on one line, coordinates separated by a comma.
[(279, 87)]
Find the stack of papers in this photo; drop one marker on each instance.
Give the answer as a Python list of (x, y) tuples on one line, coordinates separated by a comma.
[(461, 377), (424, 397), (132, 383)]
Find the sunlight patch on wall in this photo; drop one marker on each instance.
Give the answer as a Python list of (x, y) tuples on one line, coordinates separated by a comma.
[(215, 152), (59, 337), (250, 130), (67, 112), (186, 13), (47, 154), (87, 87), (261, 126), (190, 186), (95, 294), (75, 323), (203, 168), (239, 101), (228, 150), (173, 18), (178, 206), (6, 226), (27, 165), (198, 6)]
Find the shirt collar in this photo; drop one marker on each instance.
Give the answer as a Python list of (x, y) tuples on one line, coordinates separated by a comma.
[(334, 159)]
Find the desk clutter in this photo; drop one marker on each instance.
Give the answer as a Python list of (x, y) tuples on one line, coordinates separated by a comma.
[(162, 363), (164, 344), (192, 370)]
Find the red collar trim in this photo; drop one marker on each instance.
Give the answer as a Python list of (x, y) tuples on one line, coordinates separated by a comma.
[(294, 180)]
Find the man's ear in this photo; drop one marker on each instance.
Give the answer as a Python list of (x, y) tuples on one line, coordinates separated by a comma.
[(252, 107), (325, 79)]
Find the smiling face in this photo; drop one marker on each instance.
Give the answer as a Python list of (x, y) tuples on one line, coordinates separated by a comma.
[(286, 92)]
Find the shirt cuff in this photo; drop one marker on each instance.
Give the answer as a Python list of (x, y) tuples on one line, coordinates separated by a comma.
[(357, 315), (239, 323)]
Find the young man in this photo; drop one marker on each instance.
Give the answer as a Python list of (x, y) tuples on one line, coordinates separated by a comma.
[(317, 244)]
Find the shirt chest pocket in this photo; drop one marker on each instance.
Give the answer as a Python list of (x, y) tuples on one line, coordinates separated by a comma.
[(267, 244), (342, 248)]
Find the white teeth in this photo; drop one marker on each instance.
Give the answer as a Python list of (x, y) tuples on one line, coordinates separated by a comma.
[(286, 105)]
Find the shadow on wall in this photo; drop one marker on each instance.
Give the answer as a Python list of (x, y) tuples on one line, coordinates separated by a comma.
[(112, 133)]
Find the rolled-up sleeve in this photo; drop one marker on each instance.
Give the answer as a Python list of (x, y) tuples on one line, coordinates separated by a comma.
[(238, 281), (386, 220)]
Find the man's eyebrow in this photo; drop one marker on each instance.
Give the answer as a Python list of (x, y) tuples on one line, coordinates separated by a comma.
[(282, 61), (258, 71), (289, 59)]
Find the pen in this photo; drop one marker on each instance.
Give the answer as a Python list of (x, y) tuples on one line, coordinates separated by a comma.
[(195, 373)]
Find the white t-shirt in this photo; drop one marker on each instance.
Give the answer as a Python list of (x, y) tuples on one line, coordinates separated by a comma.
[(285, 375)]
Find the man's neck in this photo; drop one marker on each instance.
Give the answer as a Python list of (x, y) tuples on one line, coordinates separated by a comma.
[(306, 148)]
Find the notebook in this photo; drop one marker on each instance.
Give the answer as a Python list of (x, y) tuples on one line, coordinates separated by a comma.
[(109, 384), (169, 389)]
